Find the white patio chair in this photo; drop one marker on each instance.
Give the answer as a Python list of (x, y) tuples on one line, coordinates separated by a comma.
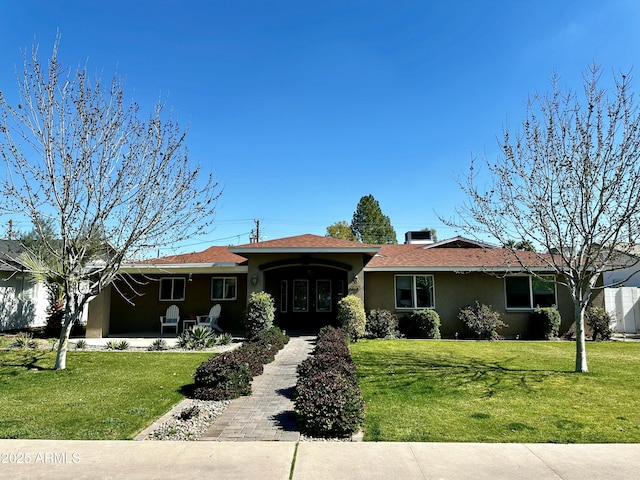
[(171, 319), (211, 320)]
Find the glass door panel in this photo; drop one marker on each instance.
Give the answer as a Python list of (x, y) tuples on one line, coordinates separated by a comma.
[(300, 295), (323, 289)]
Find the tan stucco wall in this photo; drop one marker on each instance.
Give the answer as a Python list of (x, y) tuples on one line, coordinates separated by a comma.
[(98, 315), (144, 315), (455, 291)]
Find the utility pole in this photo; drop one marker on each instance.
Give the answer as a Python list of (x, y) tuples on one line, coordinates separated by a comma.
[(255, 233)]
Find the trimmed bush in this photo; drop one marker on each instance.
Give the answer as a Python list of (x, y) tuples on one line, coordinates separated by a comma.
[(482, 321), (223, 377), (351, 317), (426, 323), (599, 321), (329, 404), (260, 313), (545, 323), (381, 324), (332, 340), (228, 375), (328, 401)]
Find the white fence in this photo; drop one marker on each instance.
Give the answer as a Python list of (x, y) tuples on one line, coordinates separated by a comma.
[(623, 304)]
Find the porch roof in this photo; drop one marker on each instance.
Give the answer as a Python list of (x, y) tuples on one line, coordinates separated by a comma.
[(306, 244)]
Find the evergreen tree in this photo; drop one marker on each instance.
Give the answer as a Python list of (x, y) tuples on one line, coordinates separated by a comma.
[(370, 225)]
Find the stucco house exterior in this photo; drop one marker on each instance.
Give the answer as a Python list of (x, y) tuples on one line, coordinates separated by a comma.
[(308, 274), (23, 302)]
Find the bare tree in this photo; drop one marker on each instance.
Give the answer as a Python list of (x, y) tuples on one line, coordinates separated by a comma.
[(112, 186), (567, 181)]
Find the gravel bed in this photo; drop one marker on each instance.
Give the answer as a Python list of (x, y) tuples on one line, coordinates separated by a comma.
[(190, 421)]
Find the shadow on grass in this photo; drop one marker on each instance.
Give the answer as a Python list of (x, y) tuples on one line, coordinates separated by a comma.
[(187, 390), (444, 374), (28, 360)]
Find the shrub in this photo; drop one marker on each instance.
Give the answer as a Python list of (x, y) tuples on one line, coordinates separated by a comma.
[(222, 377), (545, 323), (260, 313), (122, 345), (157, 345), (228, 375), (196, 338), (482, 321), (111, 345), (55, 310), (328, 401), (329, 404), (326, 361), (351, 317), (224, 339), (332, 340), (81, 344), (381, 324), (600, 323), (24, 341), (426, 323)]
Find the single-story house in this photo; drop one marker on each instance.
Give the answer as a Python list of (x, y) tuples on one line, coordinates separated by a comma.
[(308, 274)]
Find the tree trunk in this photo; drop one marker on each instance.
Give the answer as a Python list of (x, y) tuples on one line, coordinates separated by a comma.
[(61, 357), (581, 352)]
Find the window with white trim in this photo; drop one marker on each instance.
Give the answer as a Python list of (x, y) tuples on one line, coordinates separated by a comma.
[(172, 289), (529, 291), (223, 288), (414, 291)]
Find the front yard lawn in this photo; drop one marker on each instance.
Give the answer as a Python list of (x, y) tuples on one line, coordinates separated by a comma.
[(101, 395), (445, 391)]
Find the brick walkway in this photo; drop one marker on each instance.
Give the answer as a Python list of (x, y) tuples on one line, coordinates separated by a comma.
[(267, 414)]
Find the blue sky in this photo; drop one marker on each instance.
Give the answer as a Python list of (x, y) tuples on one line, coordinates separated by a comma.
[(300, 108)]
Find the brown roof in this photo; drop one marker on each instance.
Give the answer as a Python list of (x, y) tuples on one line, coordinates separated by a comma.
[(306, 242), (210, 255), (454, 254), (451, 258)]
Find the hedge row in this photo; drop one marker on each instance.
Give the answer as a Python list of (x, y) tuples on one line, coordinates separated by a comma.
[(228, 375), (328, 400)]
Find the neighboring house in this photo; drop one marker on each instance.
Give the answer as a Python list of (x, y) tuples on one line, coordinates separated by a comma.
[(622, 301), (307, 275), (23, 303)]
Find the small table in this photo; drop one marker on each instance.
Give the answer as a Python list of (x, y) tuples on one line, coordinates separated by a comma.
[(187, 324)]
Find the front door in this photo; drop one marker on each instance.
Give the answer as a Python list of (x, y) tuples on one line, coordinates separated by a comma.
[(306, 297)]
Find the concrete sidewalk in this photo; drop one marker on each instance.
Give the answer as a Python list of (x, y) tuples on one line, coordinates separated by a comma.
[(70, 459)]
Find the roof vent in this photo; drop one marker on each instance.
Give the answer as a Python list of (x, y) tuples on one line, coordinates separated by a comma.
[(419, 238)]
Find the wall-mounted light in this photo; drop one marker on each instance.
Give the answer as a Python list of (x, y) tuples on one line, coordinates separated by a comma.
[(191, 277), (254, 279)]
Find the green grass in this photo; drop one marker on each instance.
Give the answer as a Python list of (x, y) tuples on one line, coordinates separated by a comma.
[(440, 391), (101, 395)]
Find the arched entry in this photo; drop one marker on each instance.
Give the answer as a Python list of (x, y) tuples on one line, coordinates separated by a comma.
[(306, 296)]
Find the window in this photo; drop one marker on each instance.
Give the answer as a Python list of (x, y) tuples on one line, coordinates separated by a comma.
[(527, 291), (300, 295), (172, 289), (414, 291), (223, 288), (323, 290), (284, 295)]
